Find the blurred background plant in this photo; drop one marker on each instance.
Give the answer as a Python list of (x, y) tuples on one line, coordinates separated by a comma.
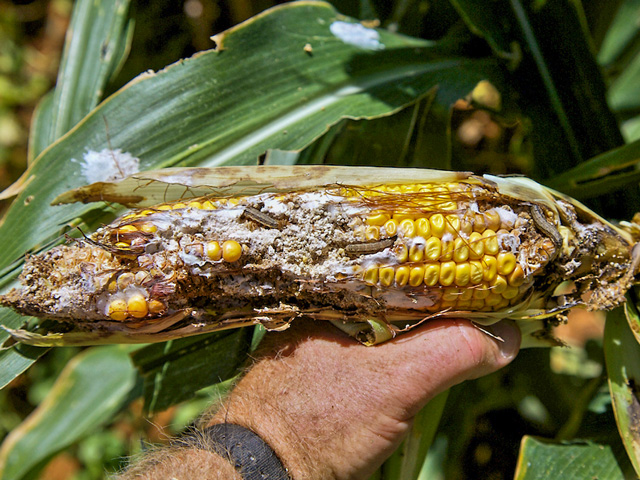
[(563, 89)]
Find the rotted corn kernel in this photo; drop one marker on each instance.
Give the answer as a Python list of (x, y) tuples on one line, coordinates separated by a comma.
[(156, 307), (372, 232), (231, 251), (407, 227), (118, 310), (148, 228)]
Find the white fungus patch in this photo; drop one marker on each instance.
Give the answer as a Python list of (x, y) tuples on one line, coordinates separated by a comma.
[(108, 165), (357, 34)]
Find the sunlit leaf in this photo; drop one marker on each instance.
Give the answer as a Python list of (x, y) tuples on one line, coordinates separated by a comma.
[(578, 460), (87, 393)]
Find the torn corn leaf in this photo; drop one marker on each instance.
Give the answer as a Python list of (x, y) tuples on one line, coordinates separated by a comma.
[(382, 249)]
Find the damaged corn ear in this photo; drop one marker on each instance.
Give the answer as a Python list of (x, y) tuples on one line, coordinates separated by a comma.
[(270, 244)]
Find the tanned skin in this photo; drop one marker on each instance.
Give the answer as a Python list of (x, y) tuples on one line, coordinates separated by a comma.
[(333, 409)]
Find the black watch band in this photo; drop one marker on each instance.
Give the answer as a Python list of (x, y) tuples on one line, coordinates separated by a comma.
[(251, 456)]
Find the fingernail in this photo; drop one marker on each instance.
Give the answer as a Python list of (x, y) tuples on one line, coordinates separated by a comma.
[(510, 335)]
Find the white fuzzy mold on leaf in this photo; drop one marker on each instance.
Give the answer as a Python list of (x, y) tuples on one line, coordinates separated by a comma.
[(357, 34), (108, 165)]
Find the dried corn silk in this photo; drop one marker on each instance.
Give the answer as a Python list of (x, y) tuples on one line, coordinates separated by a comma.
[(397, 252)]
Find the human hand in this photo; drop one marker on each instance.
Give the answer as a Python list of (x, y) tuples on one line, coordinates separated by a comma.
[(332, 408)]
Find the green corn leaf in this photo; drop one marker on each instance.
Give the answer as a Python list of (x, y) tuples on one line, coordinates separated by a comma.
[(91, 388), (622, 354), (541, 459)]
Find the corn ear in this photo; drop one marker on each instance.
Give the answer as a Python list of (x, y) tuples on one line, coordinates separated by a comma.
[(374, 250)]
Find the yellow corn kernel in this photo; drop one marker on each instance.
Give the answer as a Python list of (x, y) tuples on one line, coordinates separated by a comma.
[(447, 250), (409, 188), (463, 274), (137, 306), (423, 227), (118, 310), (438, 224), (476, 274), (402, 276), (447, 273), (460, 250), (164, 207), (112, 287), (433, 249), (466, 294), (476, 246), (431, 274), (208, 205), (231, 251), (391, 227), (492, 219), (122, 245), (402, 253), (517, 277), (481, 292), (179, 205), (493, 299), (416, 276), (416, 253), (156, 307), (387, 275), (407, 227), (194, 204), (452, 225), (490, 268), (463, 304), (399, 216), (372, 232), (213, 251), (371, 275), (476, 304), (377, 219), (506, 263), (127, 229), (510, 292), (479, 223), (451, 294), (498, 284), (148, 228), (491, 246), (447, 305)]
